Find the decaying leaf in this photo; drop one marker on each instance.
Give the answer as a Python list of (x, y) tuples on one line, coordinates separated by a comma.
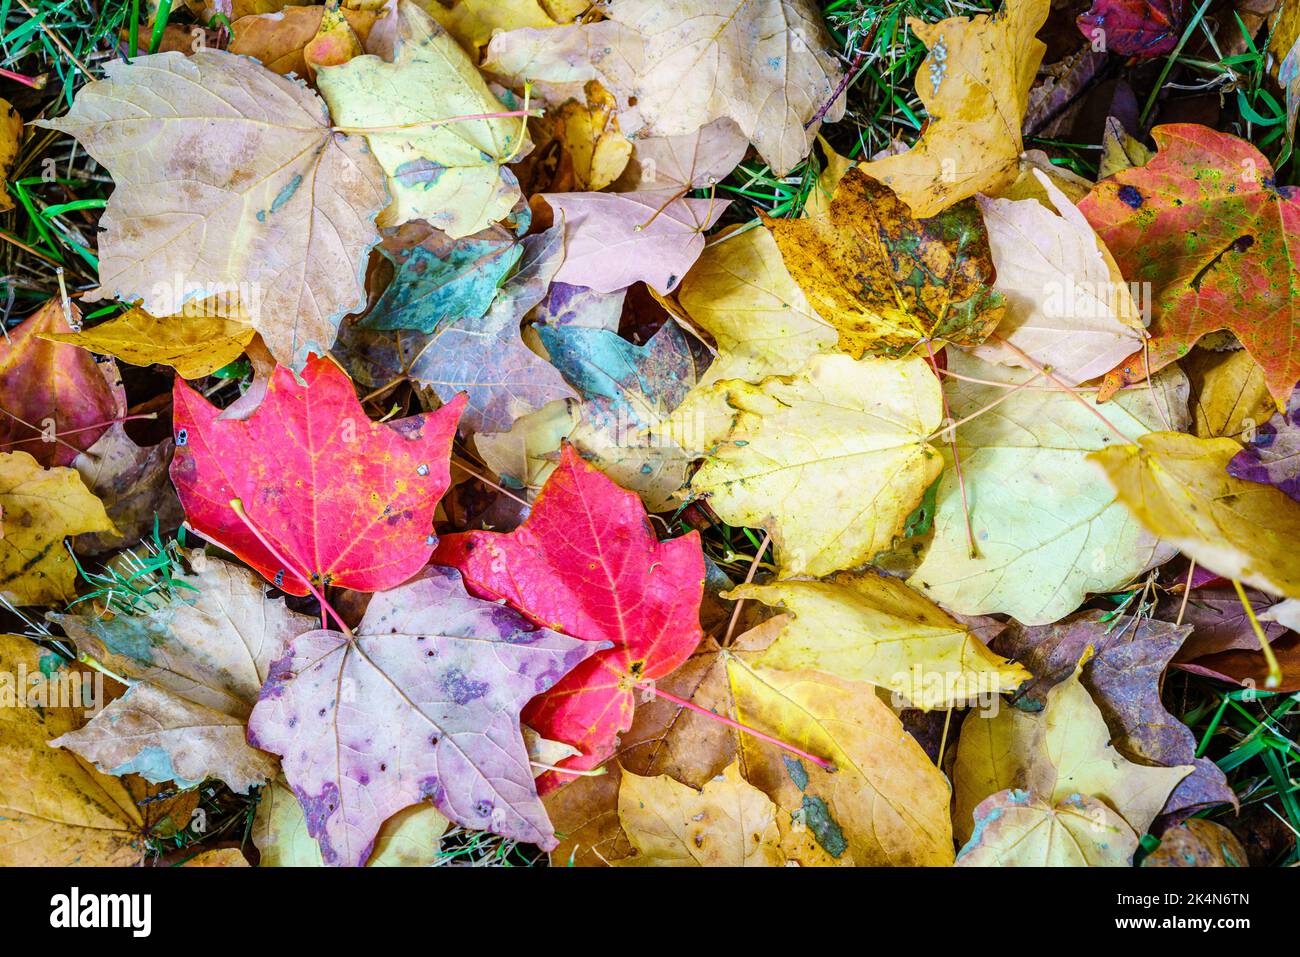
[(131, 481), (1197, 843), (1016, 828), (886, 280), (409, 709)]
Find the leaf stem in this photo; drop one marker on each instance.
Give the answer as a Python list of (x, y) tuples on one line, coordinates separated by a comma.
[(1274, 669), (1041, 370), (956, 458), (691, 705), (326, 607)]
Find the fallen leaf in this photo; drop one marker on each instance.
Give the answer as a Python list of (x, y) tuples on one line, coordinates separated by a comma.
[(674, 164), (11, 136), (196, 664), (1219, 622), (473, 22), (483, 358), (279, 39), (874, 629), (728, 823), (586, 563), (55, 810), (616, 239), (1016, 828), (408, 839), (131, 482), (628, 392), (1197, 843), (886, 280), (1250, 669), (440, 280), (766, 65), (1230, 396), (410, 709), (288, 237), (974, 83), (1272, 452), (449, 173), (1065, 750), (196, 342), (40, 507), (347, 501), (1203, 223), (589, 135), (1125, 677), (741, 294), (1136, 28), (1068, 307), (56, 400), (1047, 527), (885, 804), (1179, 488), (525, 456), (830, 460)]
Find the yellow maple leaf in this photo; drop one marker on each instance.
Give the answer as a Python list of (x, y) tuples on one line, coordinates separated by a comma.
[(1178, 486), (41, 506), (55, 809), (196, 342), (873, 628), (884, 804), (830, 460), (1065, 750), (727, 823), (975, 86), (442, 169)]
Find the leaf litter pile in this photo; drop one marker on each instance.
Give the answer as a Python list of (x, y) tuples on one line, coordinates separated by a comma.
[(690, 433)]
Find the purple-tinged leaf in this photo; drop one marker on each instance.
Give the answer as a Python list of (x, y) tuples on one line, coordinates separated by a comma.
[(421, 704)]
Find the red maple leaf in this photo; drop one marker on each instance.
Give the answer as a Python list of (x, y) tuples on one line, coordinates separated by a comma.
[(1136, 28), (348, 501), (587, 563), (1204, 226)]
